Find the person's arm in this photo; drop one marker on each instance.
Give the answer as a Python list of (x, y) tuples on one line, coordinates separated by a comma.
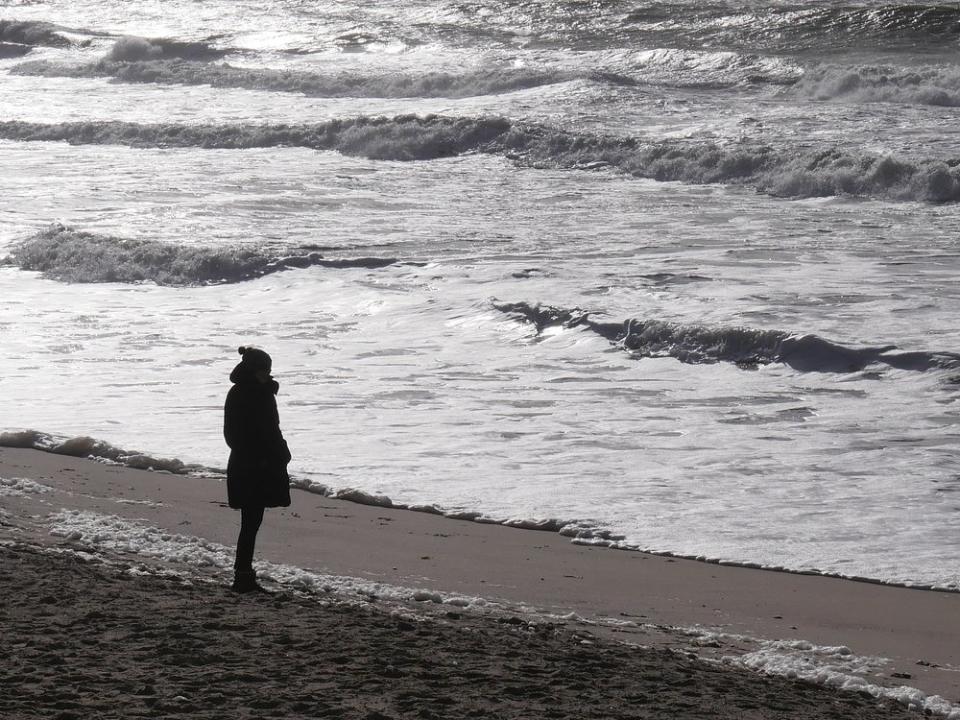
[(274, 437)]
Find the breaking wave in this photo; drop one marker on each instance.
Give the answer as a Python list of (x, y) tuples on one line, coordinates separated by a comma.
[(30, 33), (782, 173), (744, 347), (400, 138), (182, 72), (134, 49), (718, 69), (138, 60), (125, 49), (68, 255), (938, 85)]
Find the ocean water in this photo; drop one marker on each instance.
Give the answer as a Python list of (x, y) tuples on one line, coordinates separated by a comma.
[(670, 275)]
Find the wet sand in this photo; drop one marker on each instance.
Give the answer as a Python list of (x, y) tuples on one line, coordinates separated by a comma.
[(86, 637)]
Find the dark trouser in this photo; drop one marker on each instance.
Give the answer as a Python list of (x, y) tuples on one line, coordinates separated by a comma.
[(250, 519)]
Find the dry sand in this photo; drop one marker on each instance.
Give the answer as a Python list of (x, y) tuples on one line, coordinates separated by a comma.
[(83, 640), (97, 639)]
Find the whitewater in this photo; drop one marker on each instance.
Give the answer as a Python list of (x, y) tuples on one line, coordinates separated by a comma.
[(668, 276)]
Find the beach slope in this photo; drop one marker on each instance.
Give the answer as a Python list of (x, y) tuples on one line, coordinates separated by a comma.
[(116, 580)]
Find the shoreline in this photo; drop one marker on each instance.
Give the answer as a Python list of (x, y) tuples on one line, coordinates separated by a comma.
[(87, 448), (827, 630)]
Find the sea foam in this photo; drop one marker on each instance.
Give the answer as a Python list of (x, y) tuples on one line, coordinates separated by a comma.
[(936, 85), (119, 534), (21, 487), (83, 446), (834, 666)]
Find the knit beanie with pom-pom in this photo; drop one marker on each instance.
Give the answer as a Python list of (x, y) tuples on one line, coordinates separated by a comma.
[(255, 358)]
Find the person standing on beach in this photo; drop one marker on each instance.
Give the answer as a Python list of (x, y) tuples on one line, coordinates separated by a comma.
[(257, 469)]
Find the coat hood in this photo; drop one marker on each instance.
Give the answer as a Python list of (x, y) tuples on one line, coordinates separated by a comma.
[(246, 374)]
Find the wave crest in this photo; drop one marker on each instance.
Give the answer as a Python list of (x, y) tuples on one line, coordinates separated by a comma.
[(140, 60), (782, 173), (406, 137), (69, 255), (744, 347), (925, 86), (31, 33), (133, 49)]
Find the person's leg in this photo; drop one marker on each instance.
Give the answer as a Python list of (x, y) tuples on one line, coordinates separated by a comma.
[(244, 578), (250, 520)]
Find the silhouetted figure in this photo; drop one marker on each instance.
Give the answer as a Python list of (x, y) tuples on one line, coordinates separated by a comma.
[(257, 470)]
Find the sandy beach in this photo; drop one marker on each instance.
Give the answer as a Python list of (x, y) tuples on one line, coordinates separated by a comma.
[(116, 605)]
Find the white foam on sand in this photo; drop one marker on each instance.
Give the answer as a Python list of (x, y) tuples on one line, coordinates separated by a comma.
[(21, 487), (833, 666), (838, 668), (148, 503), (118, 534)]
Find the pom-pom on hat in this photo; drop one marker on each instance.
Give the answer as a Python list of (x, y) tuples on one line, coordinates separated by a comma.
[(256, 358)]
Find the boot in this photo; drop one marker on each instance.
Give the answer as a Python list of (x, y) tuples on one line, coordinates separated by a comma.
[(245, 581)]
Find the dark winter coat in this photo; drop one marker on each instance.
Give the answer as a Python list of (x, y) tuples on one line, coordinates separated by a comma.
[(257, 469)]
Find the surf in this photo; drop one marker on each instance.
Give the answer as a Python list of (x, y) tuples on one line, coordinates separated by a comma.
[(744, 347), (780, 172), (69, 255)]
